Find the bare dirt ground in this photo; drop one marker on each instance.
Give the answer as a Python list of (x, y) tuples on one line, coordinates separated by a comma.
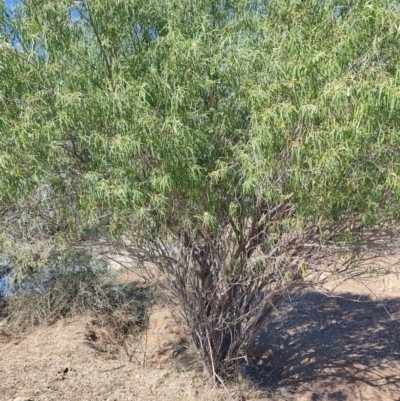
[(315, 348), (321, 348)]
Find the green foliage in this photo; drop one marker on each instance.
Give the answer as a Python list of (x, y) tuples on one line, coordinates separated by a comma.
[(139, 114)]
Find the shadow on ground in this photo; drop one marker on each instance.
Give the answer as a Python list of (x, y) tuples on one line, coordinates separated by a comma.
[(345, 344)]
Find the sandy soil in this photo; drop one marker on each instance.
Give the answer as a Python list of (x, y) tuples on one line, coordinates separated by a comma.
[(339, 348), (314, 348)]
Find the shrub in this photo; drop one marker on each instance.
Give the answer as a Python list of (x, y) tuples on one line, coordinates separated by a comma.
[(79, 291)]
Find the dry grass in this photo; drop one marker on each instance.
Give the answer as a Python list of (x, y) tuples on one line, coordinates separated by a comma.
[(60, 362), (55, 362), (116, 310), (310, 356), (37, 368)]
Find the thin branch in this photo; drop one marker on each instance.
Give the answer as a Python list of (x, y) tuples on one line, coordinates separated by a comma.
[(89, 19)]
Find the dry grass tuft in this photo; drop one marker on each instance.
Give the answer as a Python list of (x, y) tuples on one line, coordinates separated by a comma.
[(117, 310)]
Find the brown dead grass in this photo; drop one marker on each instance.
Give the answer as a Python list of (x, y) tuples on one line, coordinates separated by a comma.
[(314, 348), (76, 359), (56, 363)]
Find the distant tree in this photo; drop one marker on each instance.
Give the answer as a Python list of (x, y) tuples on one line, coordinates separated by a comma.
[(225, 139)]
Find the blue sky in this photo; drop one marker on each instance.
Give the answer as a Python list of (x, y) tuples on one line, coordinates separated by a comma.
[(10, 3)]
